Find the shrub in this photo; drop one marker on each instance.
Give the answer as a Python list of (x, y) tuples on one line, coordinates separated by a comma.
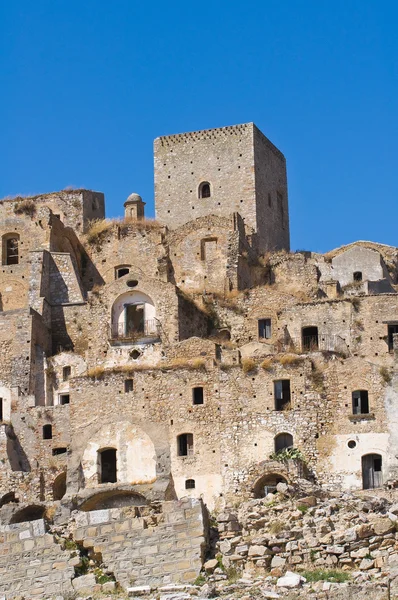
[(290, 360), (266, 364), (333, 575), (96, 372), (248, 365), (276, 527), (98, 229), (26, 207), (287, 454)]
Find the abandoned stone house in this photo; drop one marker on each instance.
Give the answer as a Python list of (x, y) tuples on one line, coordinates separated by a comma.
[(187, 356)]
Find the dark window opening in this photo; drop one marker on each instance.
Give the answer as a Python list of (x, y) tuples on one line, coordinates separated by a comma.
[(282, 441), (360, 402), (64, 399), (59, 487), (134, 315), (57, 451), (66, 373), (185, 444), (204, 190), (47, 432), (128, 385), (1, 409), (264, 329), (282, 394), (107, 466), (190, 484), (197, 395), (310, 339), (357, 276), (10, 250), (391, 330), (121, 272)]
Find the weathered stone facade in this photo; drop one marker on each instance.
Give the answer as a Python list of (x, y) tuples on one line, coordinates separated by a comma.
[(148, 361)]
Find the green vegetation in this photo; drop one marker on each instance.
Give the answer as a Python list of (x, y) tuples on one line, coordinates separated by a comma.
[(287, 454), (332, 575)]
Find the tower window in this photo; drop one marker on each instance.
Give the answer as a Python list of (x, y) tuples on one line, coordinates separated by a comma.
[(47, 432), (197, 395), (264, 329), (282, 394), (190, 484), (10, 249), (360, 402), (185, 444), (357, 276), (204, 190)]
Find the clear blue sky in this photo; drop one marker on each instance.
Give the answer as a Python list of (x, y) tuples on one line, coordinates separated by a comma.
[(87, 85)]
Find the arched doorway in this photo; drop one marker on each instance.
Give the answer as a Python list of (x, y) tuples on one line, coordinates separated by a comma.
[(59, 486), (372, 471), (107, 468), (267, 484)]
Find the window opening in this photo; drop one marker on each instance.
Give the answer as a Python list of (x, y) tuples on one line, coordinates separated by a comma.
[(185, 444), (282, 394), (197, 395), (310, 339), (107, 466), (360, 402), (282, 441), (66, 373), (264, 329), (190, 484), (57, 451), (357, 276), (10, 250), (204, 190), (64, 399), (134, 319), (391, 330), (121, 272), (1, 409), (128, 385), (47, 432)]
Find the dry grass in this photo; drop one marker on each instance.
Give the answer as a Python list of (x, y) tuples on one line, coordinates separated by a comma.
[(267, 364), (193, 364), (96, 372), (25, 207), (385, 374), (248, 365), (98, 229), (139, 224), (290, 360)]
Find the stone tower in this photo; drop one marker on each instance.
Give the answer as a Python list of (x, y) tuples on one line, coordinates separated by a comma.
[(221, 171)]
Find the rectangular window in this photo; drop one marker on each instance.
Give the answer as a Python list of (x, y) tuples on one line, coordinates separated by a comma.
[(57, 451), (391, 330), (128, 385), (64, 399), (197, 395), (360, 402), (282, 394), (264, 329), (66, 372), (185, 444), (1, 409)]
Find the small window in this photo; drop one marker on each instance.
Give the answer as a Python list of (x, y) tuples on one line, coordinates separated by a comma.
[(360, 402), (121, 272), (310, 339), (57, 451), (107, 465), (47, 432), (391, 330), (264, 329), (10, 249), (185, 444), (282, 441), (190, 484), (128, 385), (357, 276), (64, 399), (204, 190), (282, 394), (1, 409), (66, 372), (197, 395)]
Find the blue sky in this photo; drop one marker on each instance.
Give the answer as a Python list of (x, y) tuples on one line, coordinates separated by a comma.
[(87, 85)]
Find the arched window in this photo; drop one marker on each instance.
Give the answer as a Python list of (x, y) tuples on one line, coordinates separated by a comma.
[(360, 402), (10, 249), (134, 316), (185, 444), (282, 441), (190, 484), (107, 468), (47, 432), (59, 486), (372, 471), (204, 190)]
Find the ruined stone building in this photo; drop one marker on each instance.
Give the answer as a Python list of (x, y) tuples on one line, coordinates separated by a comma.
[(192, 355)]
